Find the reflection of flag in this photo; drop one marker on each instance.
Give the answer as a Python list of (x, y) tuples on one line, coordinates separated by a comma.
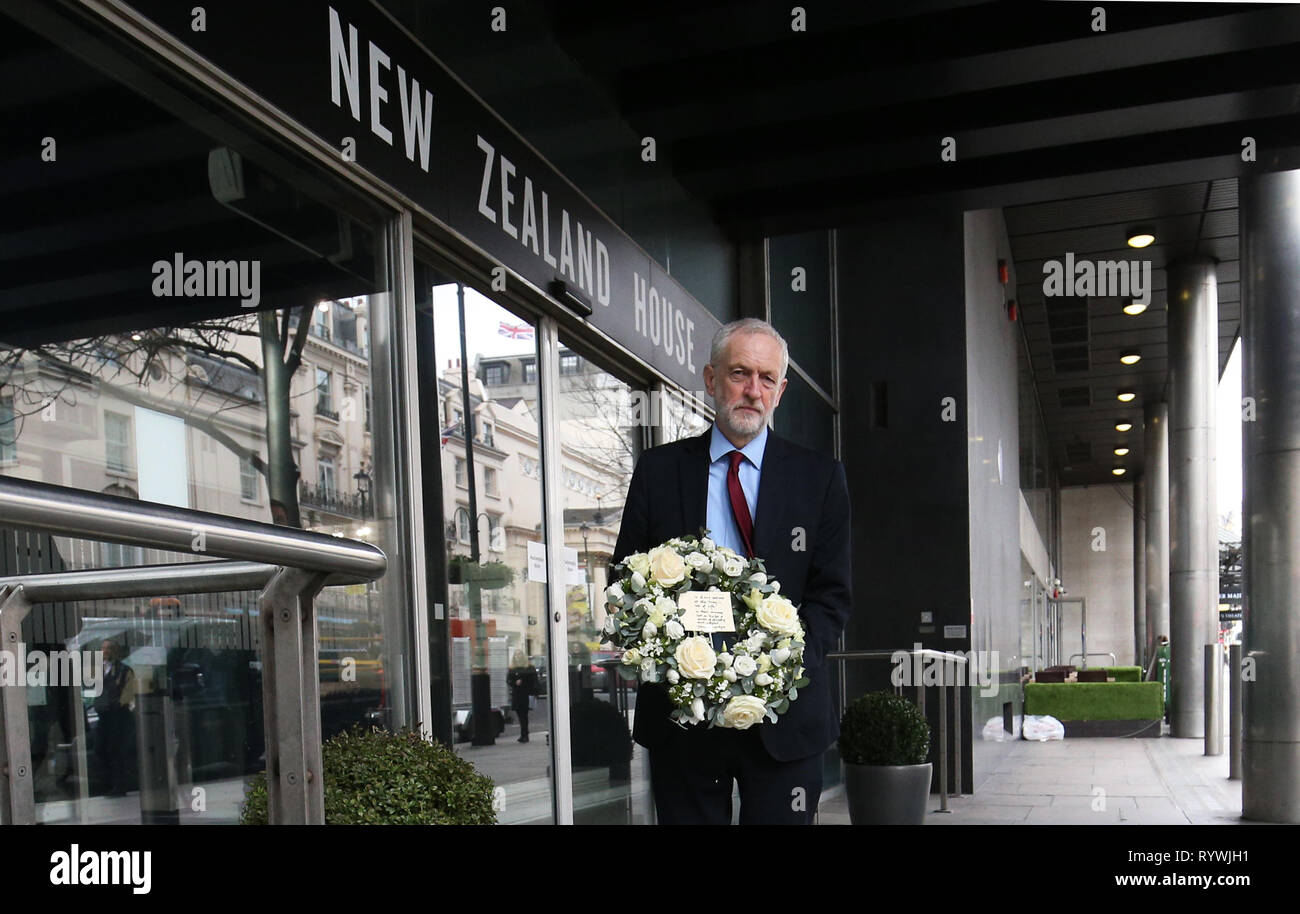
[(451, 431), (515, 331)]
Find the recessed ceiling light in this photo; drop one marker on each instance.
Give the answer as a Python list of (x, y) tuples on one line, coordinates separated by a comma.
[(1123, 426), (1126, 395), (1134, 307), (1118, 471), (1130, 356), (324, 306), (1121, 451), (1139, 236)]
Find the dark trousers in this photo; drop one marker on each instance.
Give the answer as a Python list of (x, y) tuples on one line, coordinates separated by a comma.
[(522, 714), (691, 776)]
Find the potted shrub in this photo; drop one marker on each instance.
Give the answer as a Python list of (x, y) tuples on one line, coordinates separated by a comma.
[(884, 741), (375, 777)]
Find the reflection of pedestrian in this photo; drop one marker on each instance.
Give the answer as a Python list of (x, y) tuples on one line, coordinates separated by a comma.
[(113, 705), (522, 679)]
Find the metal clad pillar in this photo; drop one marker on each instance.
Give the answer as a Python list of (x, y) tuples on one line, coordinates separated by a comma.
[(1193, 520), (1139, 576), (1270, 236), (1155, 496)]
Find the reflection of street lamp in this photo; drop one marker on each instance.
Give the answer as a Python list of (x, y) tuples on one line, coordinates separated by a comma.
[(480, 688), (363, 488), (586, 559)]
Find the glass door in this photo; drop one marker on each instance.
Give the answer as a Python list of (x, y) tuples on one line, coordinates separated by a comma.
[(481, 417), (600, 423)]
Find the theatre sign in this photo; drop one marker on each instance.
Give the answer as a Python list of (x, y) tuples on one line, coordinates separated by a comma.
[(359, 81)]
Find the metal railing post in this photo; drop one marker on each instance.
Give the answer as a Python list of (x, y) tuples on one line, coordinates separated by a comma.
[(295, 786), (943, 745), (956, 726), (1234, 712), (1214, 699), (17, 795)]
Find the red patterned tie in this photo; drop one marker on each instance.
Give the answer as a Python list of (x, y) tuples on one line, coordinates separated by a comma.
[(739, 507)]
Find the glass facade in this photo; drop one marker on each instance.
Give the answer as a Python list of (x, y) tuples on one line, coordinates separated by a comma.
[(153, 352), (227, 340)]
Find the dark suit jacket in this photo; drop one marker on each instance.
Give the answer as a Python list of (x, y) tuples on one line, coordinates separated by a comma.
[(798, 488)]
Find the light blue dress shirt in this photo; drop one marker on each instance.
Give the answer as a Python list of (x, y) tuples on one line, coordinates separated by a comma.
[(720, 519)]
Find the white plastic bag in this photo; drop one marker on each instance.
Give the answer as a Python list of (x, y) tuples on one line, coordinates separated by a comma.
[(994, 732), (1042, 727)]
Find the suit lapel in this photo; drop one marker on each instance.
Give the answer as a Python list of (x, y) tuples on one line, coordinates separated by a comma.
[(767, 514), (694, 484)]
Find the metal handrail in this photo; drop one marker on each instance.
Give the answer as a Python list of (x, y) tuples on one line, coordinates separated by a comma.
[(151, 580), (288, 565), (1110, 654), (63, 511), (924, 653), (889, 655)]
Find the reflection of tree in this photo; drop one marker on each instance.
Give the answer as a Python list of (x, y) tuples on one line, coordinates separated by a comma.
[(603, 418), (48, 374)]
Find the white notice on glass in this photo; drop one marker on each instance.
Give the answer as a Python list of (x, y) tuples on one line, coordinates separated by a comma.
[(537, 561), (706, 611)]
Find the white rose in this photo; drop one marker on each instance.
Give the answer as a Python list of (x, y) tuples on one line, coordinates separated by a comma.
[(648, 630), (743, 711), (707, 544), (614, 593), (697, 709), (780, 655), (666, 566), (755, 642), (673, 676), (699, 561), (638, 581), (762, 679), (732, 566), (726, 658), (647, 666), (656, 616), (639, 562), (674, 630), (758, 577), (719, 559), (666, 606), (610, 625), (632, 657), (779, 615), (776, 587), (695, 658), (744, 666), (729, 675)]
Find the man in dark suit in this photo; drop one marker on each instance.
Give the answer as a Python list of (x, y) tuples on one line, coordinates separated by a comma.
[(763, 496)]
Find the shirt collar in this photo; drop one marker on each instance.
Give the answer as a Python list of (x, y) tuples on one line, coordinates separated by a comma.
[(719, 447)]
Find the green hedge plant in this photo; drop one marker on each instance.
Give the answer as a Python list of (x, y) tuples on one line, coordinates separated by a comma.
[(375, 777), (882, 728)]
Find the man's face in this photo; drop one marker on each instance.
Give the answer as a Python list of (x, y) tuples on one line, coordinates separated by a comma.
[(108, 648), (746, 386)]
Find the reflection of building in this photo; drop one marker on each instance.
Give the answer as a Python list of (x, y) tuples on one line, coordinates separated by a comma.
[(179, 416), (507, 478)]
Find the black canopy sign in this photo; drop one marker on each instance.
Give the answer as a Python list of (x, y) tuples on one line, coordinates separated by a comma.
[(353, 77)]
